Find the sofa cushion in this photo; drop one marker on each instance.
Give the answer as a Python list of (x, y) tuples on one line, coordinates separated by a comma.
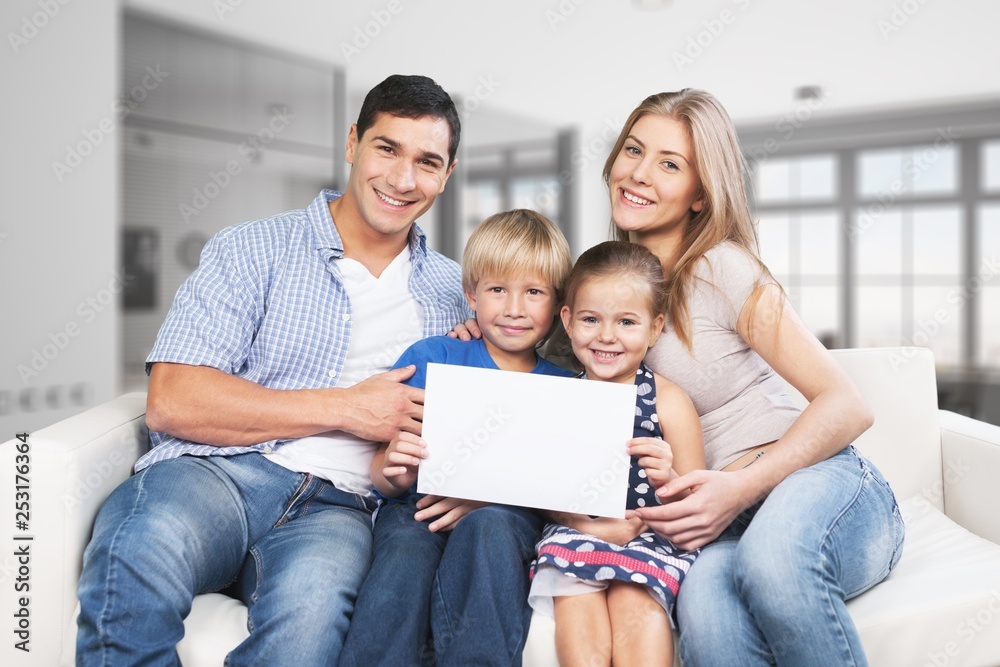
[(941, 605)]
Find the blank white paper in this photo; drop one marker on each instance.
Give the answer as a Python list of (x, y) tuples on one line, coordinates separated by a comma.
[(529, 440)]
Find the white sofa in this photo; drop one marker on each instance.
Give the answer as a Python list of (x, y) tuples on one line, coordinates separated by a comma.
[(940, 607)]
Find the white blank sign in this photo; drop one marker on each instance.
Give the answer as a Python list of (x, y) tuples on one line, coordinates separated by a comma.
[(529, 440)]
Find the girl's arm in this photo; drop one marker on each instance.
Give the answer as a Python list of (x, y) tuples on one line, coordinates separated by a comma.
[(614, 531), (836, 415), (681, 450)]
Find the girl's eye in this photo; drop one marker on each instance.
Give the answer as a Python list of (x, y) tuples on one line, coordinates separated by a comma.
[(589, 320), (627, 323)]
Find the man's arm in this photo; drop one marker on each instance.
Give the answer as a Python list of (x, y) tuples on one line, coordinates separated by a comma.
[(208, 406)]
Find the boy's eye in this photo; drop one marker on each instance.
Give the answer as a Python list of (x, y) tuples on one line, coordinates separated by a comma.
[(496, 290), (534, 291)]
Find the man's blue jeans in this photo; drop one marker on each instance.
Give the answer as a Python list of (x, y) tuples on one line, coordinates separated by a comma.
[(469, 586), (772, 589), (296, 548)]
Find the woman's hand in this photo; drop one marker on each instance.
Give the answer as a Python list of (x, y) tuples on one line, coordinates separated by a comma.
[(655, 457), (449, 511), (466, 331), (715, 499)]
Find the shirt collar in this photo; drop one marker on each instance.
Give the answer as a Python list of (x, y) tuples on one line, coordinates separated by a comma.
[(326, 236)]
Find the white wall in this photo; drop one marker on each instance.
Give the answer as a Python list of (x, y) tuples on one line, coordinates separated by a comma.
[(58, 232)]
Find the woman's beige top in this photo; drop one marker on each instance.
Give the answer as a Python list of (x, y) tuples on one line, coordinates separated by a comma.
[(741, 401)]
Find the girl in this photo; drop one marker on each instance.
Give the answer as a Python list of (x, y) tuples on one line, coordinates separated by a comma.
[(614, 578), (791, 520)]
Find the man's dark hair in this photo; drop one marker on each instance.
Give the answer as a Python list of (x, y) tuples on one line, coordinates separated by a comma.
[(411, 96)]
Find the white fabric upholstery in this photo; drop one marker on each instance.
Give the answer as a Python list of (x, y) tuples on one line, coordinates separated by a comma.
[(940, 607)]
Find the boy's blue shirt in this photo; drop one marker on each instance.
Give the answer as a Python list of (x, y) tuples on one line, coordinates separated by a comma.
[(445, 350)]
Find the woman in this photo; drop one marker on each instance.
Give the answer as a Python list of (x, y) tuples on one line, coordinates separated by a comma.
[(792, 522)]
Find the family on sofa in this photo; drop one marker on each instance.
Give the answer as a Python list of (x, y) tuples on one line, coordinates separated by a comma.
[(281, 426)]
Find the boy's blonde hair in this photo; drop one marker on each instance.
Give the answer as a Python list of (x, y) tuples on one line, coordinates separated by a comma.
[(517, 243)]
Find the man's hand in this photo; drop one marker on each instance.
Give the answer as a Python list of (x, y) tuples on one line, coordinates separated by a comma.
[(655, 457), (449, 511), (381, 407)]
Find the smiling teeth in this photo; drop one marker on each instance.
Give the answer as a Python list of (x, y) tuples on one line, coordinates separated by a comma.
[(605, 355), (394, 202), (635, 200)]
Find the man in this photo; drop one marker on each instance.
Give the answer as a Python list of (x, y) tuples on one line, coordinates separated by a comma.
[(266, 401)]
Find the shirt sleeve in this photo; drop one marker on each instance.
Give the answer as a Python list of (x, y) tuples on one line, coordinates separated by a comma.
[(215, 316), (420, 354), (728, 276)]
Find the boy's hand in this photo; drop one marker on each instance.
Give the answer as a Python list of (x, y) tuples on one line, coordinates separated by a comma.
[(448, 511), (402, 458), (656, 458), (466, 331)]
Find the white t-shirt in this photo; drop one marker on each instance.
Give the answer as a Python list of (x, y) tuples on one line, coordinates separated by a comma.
[(385, 320)]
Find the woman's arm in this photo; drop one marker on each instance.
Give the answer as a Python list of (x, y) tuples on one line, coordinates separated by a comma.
[(836, 415)]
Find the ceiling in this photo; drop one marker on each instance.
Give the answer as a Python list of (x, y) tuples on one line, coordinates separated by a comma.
[(588, 62)]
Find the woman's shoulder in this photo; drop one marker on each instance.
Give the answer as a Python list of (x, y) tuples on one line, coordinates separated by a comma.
[(730, 268)]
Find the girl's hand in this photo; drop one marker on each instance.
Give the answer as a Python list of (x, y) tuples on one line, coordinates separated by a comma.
[(466, 331), (449, 511), (715, 499), (402, 457), (655, 457)]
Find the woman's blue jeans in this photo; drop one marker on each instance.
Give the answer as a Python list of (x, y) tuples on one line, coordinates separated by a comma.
[(294, 548), (772, 588)]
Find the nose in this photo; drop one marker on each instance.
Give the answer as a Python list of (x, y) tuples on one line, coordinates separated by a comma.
[(606, 334), (514, 304), (400, 177), (640, 174)]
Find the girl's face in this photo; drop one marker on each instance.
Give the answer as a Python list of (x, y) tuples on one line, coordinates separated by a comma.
[(655, 189), (611, 327)]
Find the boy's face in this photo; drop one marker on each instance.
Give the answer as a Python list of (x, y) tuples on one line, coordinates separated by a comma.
[(514, 315), (398, 168)]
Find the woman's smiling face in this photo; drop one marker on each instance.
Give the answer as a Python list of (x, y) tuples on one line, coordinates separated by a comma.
[(654, 185)]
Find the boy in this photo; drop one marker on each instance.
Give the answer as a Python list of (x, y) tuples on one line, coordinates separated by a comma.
[(513, 271)]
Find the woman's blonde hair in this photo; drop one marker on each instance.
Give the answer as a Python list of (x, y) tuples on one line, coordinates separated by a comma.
[(520, 242), (721, 168)]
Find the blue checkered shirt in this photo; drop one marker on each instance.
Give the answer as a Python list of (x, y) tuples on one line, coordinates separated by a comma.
[(267, 304)]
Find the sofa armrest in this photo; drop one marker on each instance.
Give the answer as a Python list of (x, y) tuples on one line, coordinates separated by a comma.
[(970, 451), (73, 467)]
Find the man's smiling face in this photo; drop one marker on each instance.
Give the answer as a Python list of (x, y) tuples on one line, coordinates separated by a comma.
[(399, 166)]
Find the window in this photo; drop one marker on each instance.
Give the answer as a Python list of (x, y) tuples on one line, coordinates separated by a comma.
[(891, 244)]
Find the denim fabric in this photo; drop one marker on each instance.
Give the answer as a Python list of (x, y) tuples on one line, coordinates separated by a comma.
[(392, 617), (479, 607), (194, 525), (772, 589)]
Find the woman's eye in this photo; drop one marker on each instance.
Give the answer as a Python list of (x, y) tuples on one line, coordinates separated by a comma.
[(632, 150), (671, 165)]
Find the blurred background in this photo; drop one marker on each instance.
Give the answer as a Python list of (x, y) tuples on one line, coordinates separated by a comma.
[(134, 130)]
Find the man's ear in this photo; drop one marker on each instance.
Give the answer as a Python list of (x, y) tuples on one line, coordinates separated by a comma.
[(447, 173), (352, 144)]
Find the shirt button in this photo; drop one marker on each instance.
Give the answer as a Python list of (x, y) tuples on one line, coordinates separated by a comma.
[(347, 317), (332, 373), (268, 449)]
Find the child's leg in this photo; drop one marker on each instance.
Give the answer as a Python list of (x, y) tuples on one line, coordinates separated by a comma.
[(392, 614), (583, 630), (640, 628)]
